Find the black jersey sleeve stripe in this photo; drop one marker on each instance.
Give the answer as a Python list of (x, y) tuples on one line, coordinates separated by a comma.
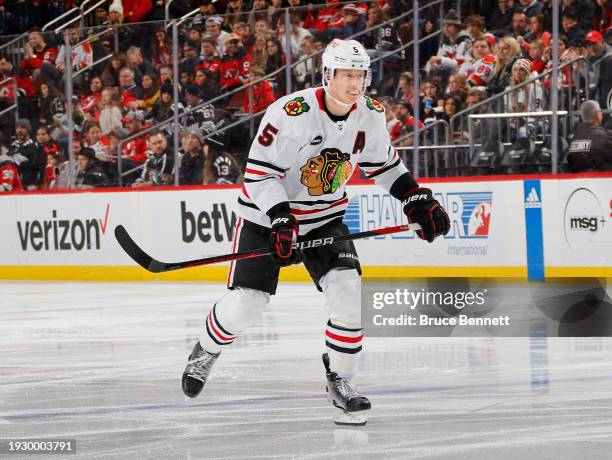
[(248, 205), (322, 218), (249, 181), (366, 164), (384, 170), (266, 165)]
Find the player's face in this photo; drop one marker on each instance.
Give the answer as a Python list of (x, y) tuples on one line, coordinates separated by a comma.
[(347, 85)]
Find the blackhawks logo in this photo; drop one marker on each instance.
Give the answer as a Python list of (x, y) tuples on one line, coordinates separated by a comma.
[(326, 172), (296, 107), (373, 104)]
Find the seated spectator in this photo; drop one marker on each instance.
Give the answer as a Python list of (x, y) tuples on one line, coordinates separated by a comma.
[(404, 113), (139, 66), (235, 12), (150, 92), (159, 167), (537, 32), (109, 116), (207, 9), (258, 12), (165, 74), (123, 33), (405, 89), (26, 156), (262, 26), (394, 126), (582, 10), (110, 74), (90, 173), (508, 51), (599, 57), (536, 53), (134, 151), (457, 87), (46, 145), (51, 173), (192, 163), (479, 67), (209, 89), (531, 7), (519, 26), (528, 98), (194, 115), (81, 56), (49, 104), (9, 175), (500, 21), (36, 52), (602, 18), (297, 35), (386, 38), (131, 94), (262, 93), (431, 95), (160, 48), (571, 28), (210, 59), (276, 59), (214, 31), (591, 144), (89, 102), (191, 56), (259, 54), (453, 49), (234, 64), (132, 11), (220, 167), (7, 89), (306, 71)]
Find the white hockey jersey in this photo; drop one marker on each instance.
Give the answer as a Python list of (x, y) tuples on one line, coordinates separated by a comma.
[(478, 72), (301, 156)]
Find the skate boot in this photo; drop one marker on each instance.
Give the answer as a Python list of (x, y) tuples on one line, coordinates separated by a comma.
[(341, 393), (199, 364)]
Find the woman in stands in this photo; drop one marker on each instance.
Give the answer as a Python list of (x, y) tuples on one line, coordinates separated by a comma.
[(528, 98), (49, 103), (457, 87), (160, 48), (235, 12), (150, 93), (209, 88), (110, 74), (508, 51), (89, 102)]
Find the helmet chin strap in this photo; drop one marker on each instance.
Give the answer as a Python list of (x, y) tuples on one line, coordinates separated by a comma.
[(336, 100)]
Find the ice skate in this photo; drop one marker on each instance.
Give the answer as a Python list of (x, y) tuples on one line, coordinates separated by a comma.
[(342, 394), (199, 364)]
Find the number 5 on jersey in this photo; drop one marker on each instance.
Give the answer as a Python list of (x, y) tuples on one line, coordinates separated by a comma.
[(267, 135)]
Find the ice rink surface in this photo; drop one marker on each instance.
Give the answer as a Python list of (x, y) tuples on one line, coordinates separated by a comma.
[(101, 363)]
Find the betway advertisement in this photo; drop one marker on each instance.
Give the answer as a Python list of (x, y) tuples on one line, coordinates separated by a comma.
[(578, 230)]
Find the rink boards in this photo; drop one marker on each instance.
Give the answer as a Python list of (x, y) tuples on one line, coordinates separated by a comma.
[(500, 227)]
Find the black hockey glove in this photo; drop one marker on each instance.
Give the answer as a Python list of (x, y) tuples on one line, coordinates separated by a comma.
[(421, 208), (283, 234)]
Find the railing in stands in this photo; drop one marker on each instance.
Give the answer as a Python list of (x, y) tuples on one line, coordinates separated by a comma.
[(90, 39), (61, 17), (83, 16), (15, 48)]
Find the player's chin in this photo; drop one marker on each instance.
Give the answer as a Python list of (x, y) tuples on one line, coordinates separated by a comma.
[(351, 98)]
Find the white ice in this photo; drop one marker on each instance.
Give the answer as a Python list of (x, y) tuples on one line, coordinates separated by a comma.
[(101, 363)]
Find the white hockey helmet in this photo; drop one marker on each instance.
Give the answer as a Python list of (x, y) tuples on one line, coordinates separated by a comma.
[(346, 54)]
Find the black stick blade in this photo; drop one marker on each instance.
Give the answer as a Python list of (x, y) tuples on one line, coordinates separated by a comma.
[(133, 250)]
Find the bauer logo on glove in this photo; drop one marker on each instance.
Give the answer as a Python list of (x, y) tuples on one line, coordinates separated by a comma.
[(422, 208)]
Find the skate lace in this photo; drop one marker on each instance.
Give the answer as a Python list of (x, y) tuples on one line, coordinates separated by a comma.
[(199, 367), (346, 388)]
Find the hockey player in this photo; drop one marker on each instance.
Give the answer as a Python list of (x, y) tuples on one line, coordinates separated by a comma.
[(307, 147)]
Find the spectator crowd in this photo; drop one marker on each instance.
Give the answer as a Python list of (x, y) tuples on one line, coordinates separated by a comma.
[(121, 72)]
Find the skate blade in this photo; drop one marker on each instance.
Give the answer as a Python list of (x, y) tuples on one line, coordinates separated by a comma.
[(350, 419)]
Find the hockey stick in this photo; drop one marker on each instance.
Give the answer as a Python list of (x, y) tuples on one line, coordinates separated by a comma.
[(155, 266)]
